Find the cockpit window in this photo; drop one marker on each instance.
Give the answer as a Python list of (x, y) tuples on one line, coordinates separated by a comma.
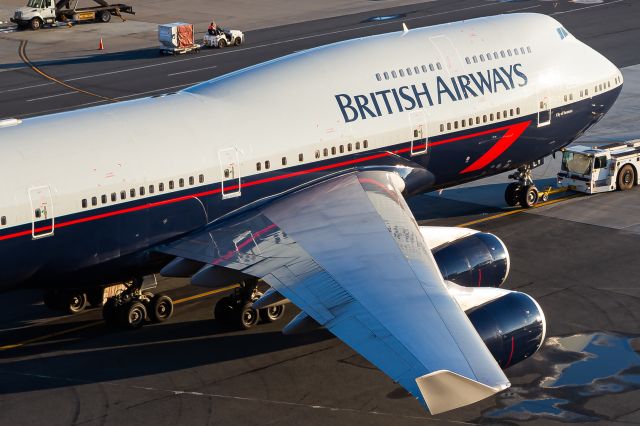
[(562, 32)]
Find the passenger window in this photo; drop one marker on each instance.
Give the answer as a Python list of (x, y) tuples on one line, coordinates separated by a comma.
[(300, 157), (171, 184), (455, 124), (448, 126), (349, 147), (495, 55), (191, 182), (365, 144), (333, 150), (509, 52), (357, 145), (267, 164), (462, 123), (151, 189), (416, 70), (502, 53), (386, 76), (504, 113), (141, 190), (341, 149), (123, 195), (284, 161), (325, 152), (378, 77), (94, 201), (37, 213), (401, 73), (103, 198), (317, 153), (114, 197), (482, 57), (132, 192), (424, 68), (180, 183), (3, 219), (409, 71), (468, 60), (529, 49), (518, 110), (491, 117), (484, 118), (394, 74), (161, 187), (478, 120), (511, 112), (515, 51), (438, 65), (431, 68), (200, 179), (442, 127), (84, 203), (498, 115), (475, 59), (522, 50)]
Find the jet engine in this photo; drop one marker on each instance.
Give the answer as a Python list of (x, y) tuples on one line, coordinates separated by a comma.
[(512, 326), (468, 257)]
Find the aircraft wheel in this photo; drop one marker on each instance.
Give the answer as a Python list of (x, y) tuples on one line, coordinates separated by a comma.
[(161, 308), (247, 317), (132, 315), (528, 196), (626, 177), (273, 313), (511, 193)]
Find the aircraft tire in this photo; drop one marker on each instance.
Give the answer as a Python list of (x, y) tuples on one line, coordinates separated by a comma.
[(132, 315), (511, 193), (246, 316), (528, 196), (273, 313), (160, 308), (626, 177)]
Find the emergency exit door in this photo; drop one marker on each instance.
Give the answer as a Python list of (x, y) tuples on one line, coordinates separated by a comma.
[(42, 217), (419, 140), (230, 170)]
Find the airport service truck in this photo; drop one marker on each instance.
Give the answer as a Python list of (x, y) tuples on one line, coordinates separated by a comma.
[(38, 13), (600, 168)]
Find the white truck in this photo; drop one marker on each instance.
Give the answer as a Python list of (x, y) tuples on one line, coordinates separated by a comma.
[(600, 168), (223, 38), (38, 13)]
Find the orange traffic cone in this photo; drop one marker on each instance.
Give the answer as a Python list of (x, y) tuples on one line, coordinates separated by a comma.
[(101, 45)]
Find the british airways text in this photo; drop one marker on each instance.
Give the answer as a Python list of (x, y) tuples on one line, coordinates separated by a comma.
[(406, 98)]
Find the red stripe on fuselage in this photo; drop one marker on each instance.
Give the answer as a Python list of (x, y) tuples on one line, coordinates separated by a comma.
[(507, 140)]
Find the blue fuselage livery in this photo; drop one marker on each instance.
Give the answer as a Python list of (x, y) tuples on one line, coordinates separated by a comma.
[(442, 89)]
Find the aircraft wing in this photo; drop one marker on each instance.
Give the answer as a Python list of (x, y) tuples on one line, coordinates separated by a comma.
[(349, 253)]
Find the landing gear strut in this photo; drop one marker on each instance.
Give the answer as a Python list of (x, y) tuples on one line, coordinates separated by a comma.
[(524, 191), (135, 304), (236, 311)]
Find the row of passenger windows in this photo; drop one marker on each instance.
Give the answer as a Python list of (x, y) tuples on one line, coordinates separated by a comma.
[(497, 55), (486, 118), (409, 71), (318, 154), (141, 191), (585, 92)]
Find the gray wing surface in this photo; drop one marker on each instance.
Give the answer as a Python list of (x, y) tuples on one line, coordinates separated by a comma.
[(349, 253)]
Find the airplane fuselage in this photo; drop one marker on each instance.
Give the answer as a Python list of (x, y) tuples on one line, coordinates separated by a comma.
[(84, 206)]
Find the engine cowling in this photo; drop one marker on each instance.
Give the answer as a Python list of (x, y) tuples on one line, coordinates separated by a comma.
[(478, 259), (513, 327)]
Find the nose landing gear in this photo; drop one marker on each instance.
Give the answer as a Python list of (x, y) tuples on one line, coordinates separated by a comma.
[(524, 191)]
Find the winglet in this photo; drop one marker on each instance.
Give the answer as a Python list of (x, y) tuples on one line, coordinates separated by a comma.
[(404, 28), (444, 390)]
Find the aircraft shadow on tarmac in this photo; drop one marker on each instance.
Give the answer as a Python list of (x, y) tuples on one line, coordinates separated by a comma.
[(105, 356)]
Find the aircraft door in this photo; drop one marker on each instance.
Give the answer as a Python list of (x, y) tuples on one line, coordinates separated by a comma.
[(42, 217), (544, 111), (230, 172), (419, 138)]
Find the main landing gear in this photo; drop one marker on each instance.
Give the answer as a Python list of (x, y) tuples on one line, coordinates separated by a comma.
[(524, 191), (134, 305), (236, 311), (72, 301)]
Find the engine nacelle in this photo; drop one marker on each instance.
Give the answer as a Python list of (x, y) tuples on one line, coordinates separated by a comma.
[(512, 326), (478, 259)]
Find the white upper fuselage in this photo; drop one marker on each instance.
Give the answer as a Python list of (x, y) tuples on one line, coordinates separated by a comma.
[(285, 112)]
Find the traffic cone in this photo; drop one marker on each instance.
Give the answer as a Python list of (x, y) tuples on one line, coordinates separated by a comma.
[(101, 45)]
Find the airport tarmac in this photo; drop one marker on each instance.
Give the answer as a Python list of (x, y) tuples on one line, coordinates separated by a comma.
[(576, 256)]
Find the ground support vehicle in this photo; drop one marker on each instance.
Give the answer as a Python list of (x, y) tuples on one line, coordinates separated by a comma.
[(223, 38), (600, 168), (39, 13)]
